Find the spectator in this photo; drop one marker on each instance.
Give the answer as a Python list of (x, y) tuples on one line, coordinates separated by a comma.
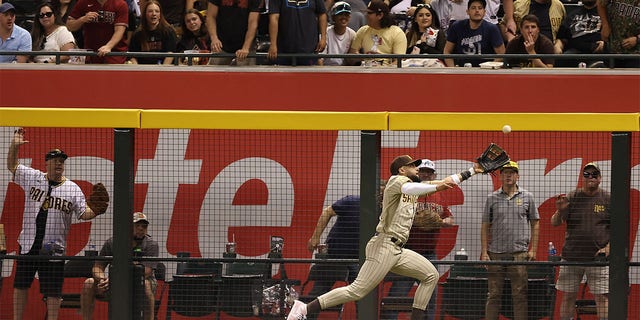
[(580, 33), (195, 36), (50, 34), (530, 41), (379, 36), (12, 36), (104, 23), (98, 286), (425, 36), (296, 27), (510, 226), (550, 14), (473, 36), (51, 200), (586, 214), (232, 28), (174, 11), (155, 34), (424, 241), (358, 11), (63, 9), (621, 29), (339, 35)]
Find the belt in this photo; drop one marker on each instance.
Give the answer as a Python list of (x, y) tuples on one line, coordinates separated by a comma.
[(397, 242)]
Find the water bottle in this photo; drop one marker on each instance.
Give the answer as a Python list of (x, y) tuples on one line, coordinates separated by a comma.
[(461, 255), (553, 253)]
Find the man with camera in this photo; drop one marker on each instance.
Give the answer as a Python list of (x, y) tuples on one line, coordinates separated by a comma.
[(586, 214)]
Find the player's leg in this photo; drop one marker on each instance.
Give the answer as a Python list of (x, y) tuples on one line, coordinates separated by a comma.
[(495, 283), (420, 268), (88, 298), (569, 279), (519, 284), (51, 280), (150, 286), (598, 279), (25, 272), (382, 255)]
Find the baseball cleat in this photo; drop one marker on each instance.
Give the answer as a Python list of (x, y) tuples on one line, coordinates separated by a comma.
[(298, 311)]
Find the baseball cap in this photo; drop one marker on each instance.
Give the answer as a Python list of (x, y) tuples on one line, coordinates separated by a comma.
[(401, 161), (511, 165), (483, 2), (139, 216), (340, 7), (591, 165), (378, 6), (6, 7), (55, 153), (426, 163)]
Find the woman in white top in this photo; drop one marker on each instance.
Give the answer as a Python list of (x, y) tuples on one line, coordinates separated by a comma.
[(50, 34)]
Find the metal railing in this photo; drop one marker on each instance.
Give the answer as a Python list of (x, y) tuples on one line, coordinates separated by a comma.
[(609, 59)]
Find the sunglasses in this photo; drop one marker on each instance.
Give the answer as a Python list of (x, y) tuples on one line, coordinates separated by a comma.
[(343, 8), (424, 5), (46, 14), (594, 175)]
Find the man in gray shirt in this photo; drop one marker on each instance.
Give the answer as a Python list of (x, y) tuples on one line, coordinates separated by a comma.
[(509, 233)]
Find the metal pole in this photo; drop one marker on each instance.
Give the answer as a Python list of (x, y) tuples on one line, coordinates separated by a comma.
[(121, 305), (620, 212), (369, 186)]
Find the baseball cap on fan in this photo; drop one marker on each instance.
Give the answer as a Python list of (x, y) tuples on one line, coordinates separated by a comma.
[(55, 153), (340, 7), (7, 7), (402, 161), (139, 216), (511, 165), (427, 164), (378, 6), (591, 165)]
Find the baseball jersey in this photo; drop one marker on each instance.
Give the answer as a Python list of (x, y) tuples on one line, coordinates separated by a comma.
[(624, 23), (97, 34), (510, 219), (66, 200), (423, 241), (556, 13), (398, 209), (588, 225), (482, 40)]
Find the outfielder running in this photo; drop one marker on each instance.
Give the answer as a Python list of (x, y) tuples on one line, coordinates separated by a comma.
[(385, 250), (50, 202)]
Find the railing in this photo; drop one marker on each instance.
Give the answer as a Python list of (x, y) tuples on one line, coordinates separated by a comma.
[(609, 58)]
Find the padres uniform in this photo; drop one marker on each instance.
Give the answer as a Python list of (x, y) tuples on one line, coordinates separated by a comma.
[(66, 200), (385, 252)]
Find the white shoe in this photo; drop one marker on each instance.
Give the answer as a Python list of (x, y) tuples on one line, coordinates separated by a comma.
[(298, 311)]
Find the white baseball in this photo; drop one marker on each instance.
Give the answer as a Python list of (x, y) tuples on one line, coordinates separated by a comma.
[(506, 129)]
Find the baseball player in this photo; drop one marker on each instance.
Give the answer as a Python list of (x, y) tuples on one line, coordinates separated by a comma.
[(50, 202), (385, 251)]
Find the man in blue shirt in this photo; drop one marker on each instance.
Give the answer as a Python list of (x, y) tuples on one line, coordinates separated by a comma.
[(473, 36), (12, 37)]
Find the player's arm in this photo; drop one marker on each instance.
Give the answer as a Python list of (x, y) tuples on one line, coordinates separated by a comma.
[(562, 208), (464, 175), (325, 217), (14, 147), (426, 187), (448, 49), (535, 232), (88, 214), (212, 27), (484, 241)]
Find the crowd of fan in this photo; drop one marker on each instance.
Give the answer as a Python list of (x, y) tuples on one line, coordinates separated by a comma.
[(240, 28)]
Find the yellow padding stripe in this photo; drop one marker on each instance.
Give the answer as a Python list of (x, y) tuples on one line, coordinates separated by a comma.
[(264, 120), (517, 121), (70, 117)]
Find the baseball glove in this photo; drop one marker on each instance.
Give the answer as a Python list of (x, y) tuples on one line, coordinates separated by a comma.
[(428, 220), (99, 199), (493, 158)]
